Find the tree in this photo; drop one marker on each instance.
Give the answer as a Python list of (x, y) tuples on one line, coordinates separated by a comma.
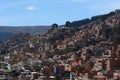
[(15, 74), (117, 10), (54, 26), (67, 24), (2, 53)]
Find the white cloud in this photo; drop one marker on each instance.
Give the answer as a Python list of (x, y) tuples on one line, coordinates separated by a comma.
[(31, 8)]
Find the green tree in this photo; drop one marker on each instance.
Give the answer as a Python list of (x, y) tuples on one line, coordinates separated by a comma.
[(54, 26), (67, 24)]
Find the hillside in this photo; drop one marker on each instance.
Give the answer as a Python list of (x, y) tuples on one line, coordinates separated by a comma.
[(105, 28), (5, 35), (92, 48), (89, 20), (8, 31), (24, 29)]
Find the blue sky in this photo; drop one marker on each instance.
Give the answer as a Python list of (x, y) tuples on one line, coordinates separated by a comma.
[(47, 12)]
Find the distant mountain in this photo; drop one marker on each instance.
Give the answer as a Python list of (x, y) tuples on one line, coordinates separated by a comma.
[(5, 35), (24, 29), (8, 31)]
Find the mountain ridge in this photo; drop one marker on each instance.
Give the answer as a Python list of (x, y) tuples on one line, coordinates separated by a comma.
[(8, 31)]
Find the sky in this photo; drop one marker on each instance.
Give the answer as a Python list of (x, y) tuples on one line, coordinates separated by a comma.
[(47, 12)]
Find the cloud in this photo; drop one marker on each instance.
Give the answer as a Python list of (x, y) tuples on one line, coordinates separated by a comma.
[(31, 8)]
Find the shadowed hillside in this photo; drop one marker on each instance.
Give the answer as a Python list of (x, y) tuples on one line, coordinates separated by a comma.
[(6, 32)]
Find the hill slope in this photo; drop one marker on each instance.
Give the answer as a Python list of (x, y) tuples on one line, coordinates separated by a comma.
[(6, 32), (92, 44)]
